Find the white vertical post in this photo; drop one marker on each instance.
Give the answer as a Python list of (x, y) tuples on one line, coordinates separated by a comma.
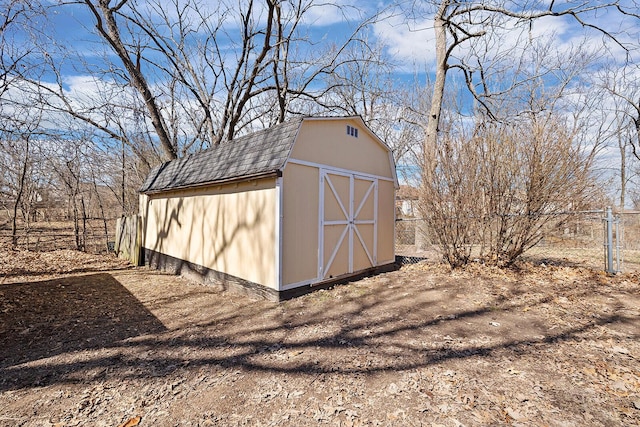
[(279, 235), (619, 239), (351, 219), (609, 245), (321, 174)]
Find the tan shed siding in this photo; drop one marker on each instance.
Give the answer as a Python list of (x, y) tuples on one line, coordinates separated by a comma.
[(339, 265), (225, 228), (364, 207), (300, 224), (386, 222), (143, 203), (326, 142)]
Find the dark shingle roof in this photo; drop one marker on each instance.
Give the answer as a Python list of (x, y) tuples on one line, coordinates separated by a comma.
[(253, 155)]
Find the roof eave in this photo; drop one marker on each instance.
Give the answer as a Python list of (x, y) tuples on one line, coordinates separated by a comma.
[(272, 173)]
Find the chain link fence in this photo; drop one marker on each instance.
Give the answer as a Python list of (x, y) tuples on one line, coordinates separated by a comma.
[(91, 236), (581, 242)]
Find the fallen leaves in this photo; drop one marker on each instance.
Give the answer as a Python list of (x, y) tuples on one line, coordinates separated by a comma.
[(21, 265), (421, 345), (132, 422)]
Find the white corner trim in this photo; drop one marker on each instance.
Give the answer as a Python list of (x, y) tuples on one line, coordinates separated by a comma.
[(278, 233)]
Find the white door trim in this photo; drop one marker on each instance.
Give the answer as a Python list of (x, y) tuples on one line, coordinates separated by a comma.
[(351, 221), (339, 170)]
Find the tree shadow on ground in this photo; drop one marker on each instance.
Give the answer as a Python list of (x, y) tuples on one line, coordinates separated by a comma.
[(379, 330), (47, 318), (35, 271)]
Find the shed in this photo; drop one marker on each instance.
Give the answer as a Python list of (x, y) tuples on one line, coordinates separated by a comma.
[(305, 203)]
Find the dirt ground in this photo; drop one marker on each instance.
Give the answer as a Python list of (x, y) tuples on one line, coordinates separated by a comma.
[(86, 340)]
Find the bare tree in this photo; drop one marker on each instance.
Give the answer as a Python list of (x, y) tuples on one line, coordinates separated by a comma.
[(498, 185), (495, 191), (15, 17), (460, 24), (204, 72), (107, 26), (363, 85), (621, 103), (20, 186), (18, 125)]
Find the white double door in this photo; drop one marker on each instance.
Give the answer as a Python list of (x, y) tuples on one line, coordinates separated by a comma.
[(348, 223)]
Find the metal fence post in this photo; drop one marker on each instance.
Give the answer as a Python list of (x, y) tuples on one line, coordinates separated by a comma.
[(609, 245), (610, 222)]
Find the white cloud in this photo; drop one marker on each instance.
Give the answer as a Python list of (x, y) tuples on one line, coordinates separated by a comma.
[(409, 36), (83, 87), (337, 12), (410, 42)]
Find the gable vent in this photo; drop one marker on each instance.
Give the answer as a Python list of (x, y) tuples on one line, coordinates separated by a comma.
[(351, 131)]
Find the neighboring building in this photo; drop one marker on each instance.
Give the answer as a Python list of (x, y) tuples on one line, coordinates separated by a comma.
[(407, 201), (305, 203)]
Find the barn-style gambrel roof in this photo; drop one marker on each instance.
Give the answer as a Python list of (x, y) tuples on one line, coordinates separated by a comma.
[(258, 154)]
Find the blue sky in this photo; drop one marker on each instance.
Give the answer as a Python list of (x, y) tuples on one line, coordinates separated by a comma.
[(404, 29)]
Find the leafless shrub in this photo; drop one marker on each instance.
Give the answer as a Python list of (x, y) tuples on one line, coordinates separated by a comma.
[(498, 186)]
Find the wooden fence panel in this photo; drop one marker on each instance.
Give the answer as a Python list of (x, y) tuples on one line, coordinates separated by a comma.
[(128, 243)]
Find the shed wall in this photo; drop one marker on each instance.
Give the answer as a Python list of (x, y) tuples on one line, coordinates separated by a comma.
[(300, 224), (386, 222), (326, 142), (229, 228)]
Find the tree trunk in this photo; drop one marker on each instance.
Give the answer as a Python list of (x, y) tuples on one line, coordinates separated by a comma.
[(84, 225), (23, 178), (623, 174), (76, 225), (14, 224), (104, 218), (123, 189), (433, 120), (112, 35)]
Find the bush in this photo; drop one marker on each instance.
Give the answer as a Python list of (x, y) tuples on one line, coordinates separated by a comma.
[(492, 194)]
